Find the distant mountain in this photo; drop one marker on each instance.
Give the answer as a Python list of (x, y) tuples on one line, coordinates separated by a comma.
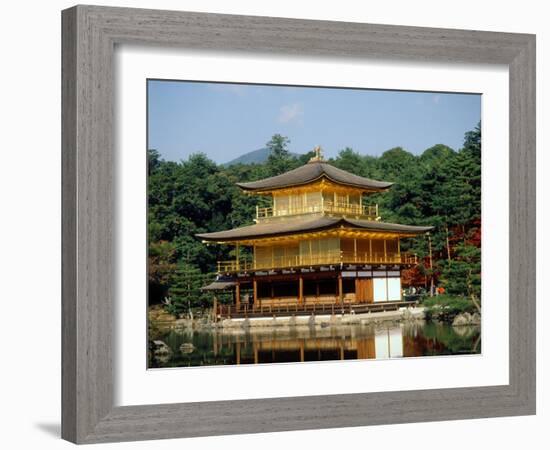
[(254, 157)]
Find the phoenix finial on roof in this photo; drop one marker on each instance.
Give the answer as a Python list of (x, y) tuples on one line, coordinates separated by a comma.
[(318, 154)]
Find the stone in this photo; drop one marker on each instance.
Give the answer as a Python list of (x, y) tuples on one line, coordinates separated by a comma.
[(187, 347), (161, 347), (476, 319), (461, 320), (335, 320), (161, 351)]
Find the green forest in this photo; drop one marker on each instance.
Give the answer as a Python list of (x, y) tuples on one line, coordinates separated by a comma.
[(440, 187)]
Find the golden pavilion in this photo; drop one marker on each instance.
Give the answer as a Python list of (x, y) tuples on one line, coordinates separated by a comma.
[(320, 247)]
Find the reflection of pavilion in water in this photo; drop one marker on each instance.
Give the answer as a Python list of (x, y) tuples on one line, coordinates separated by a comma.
[(268, 344), (321, 345)]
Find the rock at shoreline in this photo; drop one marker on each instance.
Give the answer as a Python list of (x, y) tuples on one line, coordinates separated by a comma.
[(187, 347), (161, 347), (161, 351), (465, 319), (460, 321)]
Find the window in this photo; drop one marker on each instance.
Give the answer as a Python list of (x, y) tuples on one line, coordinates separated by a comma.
[(312, 201), (320, 251), (354, 199), (296, 204), (281, 204)]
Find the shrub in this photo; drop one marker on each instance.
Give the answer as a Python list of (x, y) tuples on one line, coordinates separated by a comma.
[(446, 307)]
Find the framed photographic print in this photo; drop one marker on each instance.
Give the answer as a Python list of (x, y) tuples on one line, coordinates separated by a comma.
[(301, 231), (311, 271)]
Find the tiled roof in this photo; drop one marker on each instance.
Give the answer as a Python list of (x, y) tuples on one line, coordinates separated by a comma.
[(301, 225), (313, 171)]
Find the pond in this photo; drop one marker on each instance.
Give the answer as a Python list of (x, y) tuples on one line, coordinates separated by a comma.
[(182, 347)]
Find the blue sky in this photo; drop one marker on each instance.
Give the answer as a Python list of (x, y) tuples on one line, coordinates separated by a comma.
[(225, 121)]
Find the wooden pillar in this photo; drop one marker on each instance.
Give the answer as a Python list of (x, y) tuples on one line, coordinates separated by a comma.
[(302, 351), (354, 249), (255, 345), (255, 291), (215, 310), (431, 266), (399, 249), (400, 286), (238, 344), (385, 253), (370, 250), (238, 294), (340, 290), (301, 290), (237, 254)]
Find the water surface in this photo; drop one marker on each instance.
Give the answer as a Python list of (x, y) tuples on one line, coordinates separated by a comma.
[(256, 345)]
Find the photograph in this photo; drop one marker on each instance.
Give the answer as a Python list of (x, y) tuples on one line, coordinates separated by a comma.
[(290, 224)]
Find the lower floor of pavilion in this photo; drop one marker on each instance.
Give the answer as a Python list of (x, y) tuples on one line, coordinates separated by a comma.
[(297, 292)]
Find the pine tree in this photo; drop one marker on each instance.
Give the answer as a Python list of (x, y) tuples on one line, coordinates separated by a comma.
[(185, 291), (279, 159)]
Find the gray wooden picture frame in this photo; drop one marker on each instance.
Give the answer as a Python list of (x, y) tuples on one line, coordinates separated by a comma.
[(90, 34)]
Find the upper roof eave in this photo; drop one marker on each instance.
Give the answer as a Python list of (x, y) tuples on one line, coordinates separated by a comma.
[(312, 172)]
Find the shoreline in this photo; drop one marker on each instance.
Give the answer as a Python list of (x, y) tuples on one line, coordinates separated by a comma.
[(326, 320), (161, 319)]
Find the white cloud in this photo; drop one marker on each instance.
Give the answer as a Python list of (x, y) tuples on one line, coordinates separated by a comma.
[(291, 113)]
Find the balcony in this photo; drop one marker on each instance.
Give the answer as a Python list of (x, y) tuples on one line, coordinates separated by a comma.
[(369, 212), (330, 258)]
